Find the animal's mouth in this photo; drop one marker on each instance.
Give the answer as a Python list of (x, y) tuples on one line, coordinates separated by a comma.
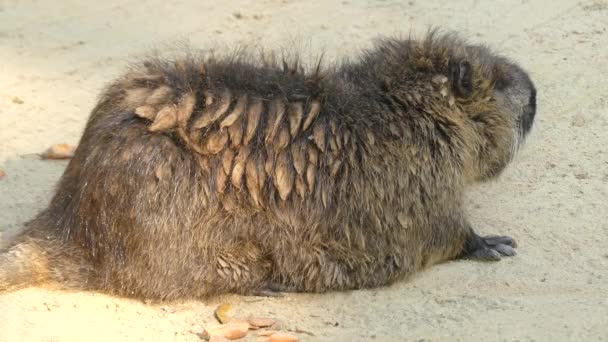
[(526, 121), (529, 112)]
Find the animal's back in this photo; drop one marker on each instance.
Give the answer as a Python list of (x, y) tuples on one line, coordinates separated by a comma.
[(202, 176)]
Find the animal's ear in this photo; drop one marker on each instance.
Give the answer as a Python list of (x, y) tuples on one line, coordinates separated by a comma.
[(462, 77)]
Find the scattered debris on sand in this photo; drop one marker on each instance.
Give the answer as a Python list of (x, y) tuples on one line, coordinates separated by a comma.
[(59, 151)]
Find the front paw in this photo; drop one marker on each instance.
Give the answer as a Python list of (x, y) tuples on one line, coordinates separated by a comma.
[(490, 248)]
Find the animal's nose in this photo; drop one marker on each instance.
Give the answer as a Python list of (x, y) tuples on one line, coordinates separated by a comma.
[(529, 112)]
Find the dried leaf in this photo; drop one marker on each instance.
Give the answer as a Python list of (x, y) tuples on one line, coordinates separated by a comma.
[(59, 151), (231, 331), (261, 322), (223, 313)]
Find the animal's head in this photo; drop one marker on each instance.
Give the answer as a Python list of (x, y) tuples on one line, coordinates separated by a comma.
[(498, 99), (490, 98)]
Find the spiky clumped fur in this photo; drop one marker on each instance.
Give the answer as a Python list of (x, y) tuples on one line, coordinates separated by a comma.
[(203, 175)]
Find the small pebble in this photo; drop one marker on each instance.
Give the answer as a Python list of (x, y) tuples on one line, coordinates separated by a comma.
[(2, 174)]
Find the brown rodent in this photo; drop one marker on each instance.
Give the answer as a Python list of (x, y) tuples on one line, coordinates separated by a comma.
[(206, 175)]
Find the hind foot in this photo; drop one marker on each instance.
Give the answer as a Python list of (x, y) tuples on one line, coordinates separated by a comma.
[(490, 248)]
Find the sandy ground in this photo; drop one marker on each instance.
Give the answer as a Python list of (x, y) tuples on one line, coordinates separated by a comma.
[(56, 55)]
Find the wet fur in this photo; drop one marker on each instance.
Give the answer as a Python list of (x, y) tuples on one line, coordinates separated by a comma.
[(205, 174)]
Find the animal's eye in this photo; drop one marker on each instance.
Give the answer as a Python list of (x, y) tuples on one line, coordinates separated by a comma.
[(502, 83)]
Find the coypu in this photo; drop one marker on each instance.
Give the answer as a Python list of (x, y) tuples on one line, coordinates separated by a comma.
[(201, 175)]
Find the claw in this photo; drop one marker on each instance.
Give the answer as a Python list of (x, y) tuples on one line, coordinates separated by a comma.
[(485, 254), (491, 248), (505, 250), (494, 240)]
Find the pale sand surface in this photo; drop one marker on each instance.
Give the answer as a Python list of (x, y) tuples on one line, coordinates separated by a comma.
[(56, 55)]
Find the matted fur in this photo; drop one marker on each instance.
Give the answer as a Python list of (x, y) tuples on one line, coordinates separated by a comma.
[(203, 175)]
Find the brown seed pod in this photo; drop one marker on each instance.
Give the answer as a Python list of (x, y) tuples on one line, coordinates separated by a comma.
[(216, 142), (261, 172), (333, 145), (239, 167), (235, 131), (221, 180), (310, 177), (252, 181), (227, 159), (239, 108), (284, 175), (146, 112), (269, 164), (165, 119), (318, 135), (295, 117), (299, 158), (315, 108), (185, 107), (283, 139), (300, 187), (313, 155), (253, 119), (275, 118), (214, 111)]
